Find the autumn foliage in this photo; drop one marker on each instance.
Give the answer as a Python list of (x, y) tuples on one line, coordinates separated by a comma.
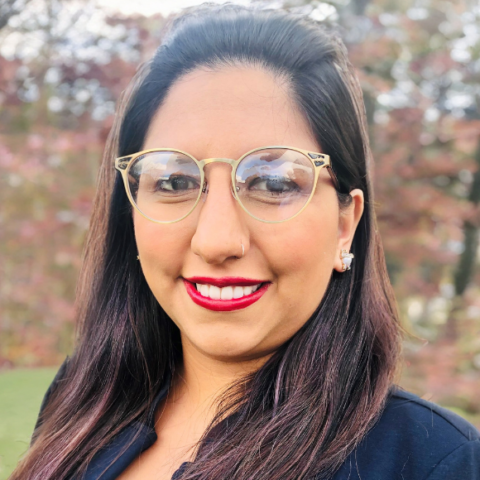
[(63, 67)]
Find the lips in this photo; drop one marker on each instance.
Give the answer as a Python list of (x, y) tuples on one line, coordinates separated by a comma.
[(229, 293), (225, 281)]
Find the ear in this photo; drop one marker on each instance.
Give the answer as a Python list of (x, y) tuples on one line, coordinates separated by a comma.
[(348, 222)]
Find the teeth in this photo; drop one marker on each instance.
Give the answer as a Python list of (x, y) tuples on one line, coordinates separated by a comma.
[(225, 293), (238, 292), (214, 292)]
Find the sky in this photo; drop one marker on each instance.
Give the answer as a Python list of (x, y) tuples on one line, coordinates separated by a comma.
[(150, 7)]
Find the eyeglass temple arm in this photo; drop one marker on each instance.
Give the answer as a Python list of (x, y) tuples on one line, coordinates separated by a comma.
[(334, 178), (322, 160)]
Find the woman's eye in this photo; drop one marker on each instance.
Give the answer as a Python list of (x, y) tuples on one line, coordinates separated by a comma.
[(177, 184), (273, 185)]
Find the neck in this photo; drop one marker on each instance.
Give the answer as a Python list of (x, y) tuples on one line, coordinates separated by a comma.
[(201, 380)]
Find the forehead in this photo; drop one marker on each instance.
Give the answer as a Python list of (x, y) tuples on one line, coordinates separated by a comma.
[(228, 111)]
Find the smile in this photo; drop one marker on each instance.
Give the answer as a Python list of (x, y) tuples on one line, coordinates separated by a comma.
[(224, 294)]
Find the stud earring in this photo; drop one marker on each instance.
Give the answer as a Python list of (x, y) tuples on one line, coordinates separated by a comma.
[(346, 260), (138, 257)]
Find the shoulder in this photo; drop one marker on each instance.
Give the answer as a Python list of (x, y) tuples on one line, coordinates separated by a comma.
[(432, 423), (416, 439)]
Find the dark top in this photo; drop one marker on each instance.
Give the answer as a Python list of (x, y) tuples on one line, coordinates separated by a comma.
[(412, 440)]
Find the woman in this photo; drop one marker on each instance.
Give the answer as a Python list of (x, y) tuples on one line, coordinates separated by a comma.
[(236, 319)]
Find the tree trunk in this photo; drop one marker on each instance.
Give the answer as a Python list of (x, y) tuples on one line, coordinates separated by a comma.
[(466, 262)]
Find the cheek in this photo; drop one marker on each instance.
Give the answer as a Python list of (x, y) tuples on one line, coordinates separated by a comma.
[(162, 249), (301, 257), (306, 248)]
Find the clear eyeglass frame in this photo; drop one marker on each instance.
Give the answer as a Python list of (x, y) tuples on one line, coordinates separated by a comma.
[(318, 160)]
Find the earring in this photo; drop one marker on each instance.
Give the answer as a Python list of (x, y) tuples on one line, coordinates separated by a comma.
[(138, 257), (346, 259)]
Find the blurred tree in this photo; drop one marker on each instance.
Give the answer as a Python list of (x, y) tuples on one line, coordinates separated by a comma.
[(466, 263), (62, 67), (10, 8), (64, 64)]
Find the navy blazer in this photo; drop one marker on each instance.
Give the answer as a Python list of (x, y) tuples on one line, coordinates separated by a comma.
[(412, 440)]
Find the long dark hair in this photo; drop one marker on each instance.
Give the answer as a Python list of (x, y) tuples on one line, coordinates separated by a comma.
[(308, 407)]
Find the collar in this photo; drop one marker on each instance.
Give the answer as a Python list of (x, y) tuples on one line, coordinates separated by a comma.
[(127, 445)]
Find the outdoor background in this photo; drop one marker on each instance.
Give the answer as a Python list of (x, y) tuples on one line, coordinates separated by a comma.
[(63, 64)]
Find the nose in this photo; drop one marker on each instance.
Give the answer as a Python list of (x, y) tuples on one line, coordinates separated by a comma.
[(221, 228)]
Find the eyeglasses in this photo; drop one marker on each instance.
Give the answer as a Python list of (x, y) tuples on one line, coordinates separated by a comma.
[(272, 184)]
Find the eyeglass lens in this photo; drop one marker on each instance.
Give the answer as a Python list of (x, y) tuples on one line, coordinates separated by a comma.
[(271, 184)]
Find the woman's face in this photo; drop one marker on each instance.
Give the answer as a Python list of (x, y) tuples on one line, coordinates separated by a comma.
[(225, 113)]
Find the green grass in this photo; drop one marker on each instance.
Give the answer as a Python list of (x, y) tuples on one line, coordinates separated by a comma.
[(21, 393)]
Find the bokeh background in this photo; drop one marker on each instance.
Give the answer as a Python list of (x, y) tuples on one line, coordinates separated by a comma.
[(63, 65)]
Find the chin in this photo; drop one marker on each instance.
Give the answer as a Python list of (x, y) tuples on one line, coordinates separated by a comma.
[(230, 347)]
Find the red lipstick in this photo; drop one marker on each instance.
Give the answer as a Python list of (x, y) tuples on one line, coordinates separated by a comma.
[(225, 281), (224, 305)]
